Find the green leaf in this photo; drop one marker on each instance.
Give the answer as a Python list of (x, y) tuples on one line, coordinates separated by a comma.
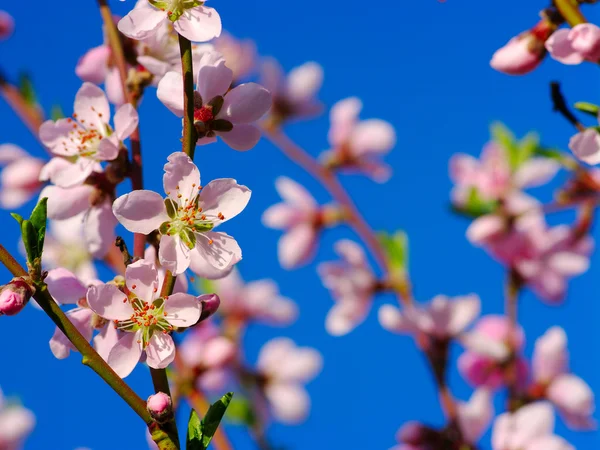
[(240, 411), (17, 217), (30, 240), (517, 151), (26, 89), (396, 249), (57, 113), (194, 432), (38, 220), (588, 108), (213, 418), (475, 205)]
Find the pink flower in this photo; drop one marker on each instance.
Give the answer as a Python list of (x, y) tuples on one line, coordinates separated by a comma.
[(159, 406), (443, 318), (529, 428), (586, 146), (488, 348), (575, 45), (286, 368), (144, 317), (523, 53), (474, 417), (16, 423), (87, 139), (352, 285), (218, 111), (569, 393), (240, 55), (92, 206), (254, 301), (7, 25), (192, 20), (93, 66), (300, 217), (14, 296), (294, 96), (186, 218), (358, 145), (19, 180)]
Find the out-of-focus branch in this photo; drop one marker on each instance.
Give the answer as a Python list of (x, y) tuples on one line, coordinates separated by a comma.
[(570, 11), (512, 289), (31, 116)]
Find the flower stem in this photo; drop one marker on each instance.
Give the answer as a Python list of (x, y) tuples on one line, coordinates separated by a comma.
[(569, 9), (116, 47), (187, 70), (161, 384), (513, 287)]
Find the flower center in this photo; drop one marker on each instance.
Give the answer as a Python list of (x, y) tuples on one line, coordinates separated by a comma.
[(148, 317), (83, 138), (203, 114)]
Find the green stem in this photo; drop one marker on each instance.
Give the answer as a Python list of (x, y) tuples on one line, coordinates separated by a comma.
[(569, 9), (189, 132)]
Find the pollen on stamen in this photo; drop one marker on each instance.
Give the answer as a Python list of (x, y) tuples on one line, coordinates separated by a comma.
[(221, 216), (125, 300), (155, 289), (134, 286), (210, 242)]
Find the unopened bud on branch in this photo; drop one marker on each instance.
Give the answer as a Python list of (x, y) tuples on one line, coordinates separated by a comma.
[(14, 296)]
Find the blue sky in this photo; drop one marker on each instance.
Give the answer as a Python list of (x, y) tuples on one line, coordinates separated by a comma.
[(423, 66)]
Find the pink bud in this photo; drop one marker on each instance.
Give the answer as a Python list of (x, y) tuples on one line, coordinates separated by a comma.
[(210, 304), (14, 296), (7, 25), (159, 406), (523, 53), (413, 433)]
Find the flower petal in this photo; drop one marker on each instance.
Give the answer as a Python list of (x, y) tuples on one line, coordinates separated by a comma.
[(140, 211), (160, 351), (213, 77), (295, 194), (242, 137), (297, 246), (142, 22), (126, 120), (66, 203), (560, 47), (99, 229), (109, 302), (536, 172), (54, 133), (586, 146), (289, 401), (181, 177), (199, 24), (141, 278), (93, 65), (304, 82), (183, 310), (81, 318), (106, 340), (72, 174), (373, 136), (170, 92), (64, 286), (91, 107), (221, 253), (126, 353), (224, 196), (246, 103), (173, 254)]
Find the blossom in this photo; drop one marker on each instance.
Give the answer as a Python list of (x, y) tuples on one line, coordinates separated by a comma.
[(286, 367), (488, 349), (475, 416), (94, 209), (529, 428), (240, 55), (300, 217), (443, 318), (294, 96), (358, 145), (7, 25), (571, 395), (352, 284), (575, 45), (219, 111), (257, 300), (186, 218), (16, 422), (210, 353), (145, 318), (14, 296), (19, 180), (524, 52), (159, 406), (585, 145), (86, 139), (191, 19)]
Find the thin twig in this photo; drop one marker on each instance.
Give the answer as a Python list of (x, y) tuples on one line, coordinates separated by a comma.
[(512, 289), (559, 104), (187, 71)]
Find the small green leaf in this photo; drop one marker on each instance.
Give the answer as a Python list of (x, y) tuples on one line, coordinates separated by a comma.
[(17, 217), (475, 205), (194, 432), (26, 89), (30, 240), (213, 418), (396, 249), (517, 151), (240, 411), (38, 218), (57, 113), (588, 108)]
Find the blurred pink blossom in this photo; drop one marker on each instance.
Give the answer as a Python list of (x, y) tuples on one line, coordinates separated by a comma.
[(575, 45), (529, 428), (16, 422), (218, 111), (358, 145), (186, 218), (7, 25), (286, 368), (585, 145), (240, 54), (352, 284), (20, 178)]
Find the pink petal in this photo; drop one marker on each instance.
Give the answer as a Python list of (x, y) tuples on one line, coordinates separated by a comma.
[(463, 311), (170, 92), (344, 317), (199, 24), (560, 48), (246, 103), (99, 229), (223, 251), (126, 353), (218, 352), (290, 402), (224, 196), (106, 340), (585, 39), (155, 66), (107, 150), (14, 198), (574, 398), (484, 228), (393, 320), (173, 254), (91, 107), (113, 87), (213, 77), (183, 310), (72, 174), (141, 278), (54, 133), (295, 194), (569, 263), (140, 211), (297, 246), (160, 351), (92, 66), (531, 421), (343, 116), (108, 302), (141, 23), (586, 146), (126, 120), (52, 167), (64, 286), (23, 174), (372, 136), (302, 365), (549, 443), (60, 344), (281, 216), (66, 203), (536, 172), (242, 137), (272, 76), (304, 82), (518, 56), (475, 416), (17, 423), (204, 269), (550, 357), (181, 177), (10, 153)]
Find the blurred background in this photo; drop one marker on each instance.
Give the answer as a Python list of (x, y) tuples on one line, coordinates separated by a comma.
[(424, 67)]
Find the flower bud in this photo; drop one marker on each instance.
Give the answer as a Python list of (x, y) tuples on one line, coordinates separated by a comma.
[(210, 304), (524, 52), (413, 433), (14, 296), (160, 407)]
